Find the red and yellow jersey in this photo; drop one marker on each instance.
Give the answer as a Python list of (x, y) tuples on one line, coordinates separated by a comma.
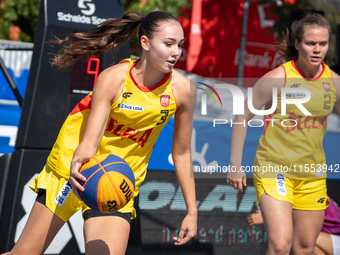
[(295, 140), (135, 122)]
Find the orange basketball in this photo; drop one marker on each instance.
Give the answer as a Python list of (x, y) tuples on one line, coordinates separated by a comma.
[(109, 184)]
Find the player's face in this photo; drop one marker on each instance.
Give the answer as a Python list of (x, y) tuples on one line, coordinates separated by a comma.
[(165, 47), (313, 46)]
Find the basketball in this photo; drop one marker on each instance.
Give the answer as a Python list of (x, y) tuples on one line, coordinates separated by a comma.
[(109, 184)]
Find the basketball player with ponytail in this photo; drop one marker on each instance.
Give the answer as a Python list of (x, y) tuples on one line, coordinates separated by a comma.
[(100, 124), (293, 200)]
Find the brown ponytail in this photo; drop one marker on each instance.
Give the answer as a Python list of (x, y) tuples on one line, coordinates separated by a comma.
[(286, 49), (107, 35)]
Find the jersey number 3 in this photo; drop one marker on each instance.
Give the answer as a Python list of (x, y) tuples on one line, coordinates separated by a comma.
[(164, 114)]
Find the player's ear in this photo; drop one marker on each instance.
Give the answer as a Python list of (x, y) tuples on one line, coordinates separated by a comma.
[(296, 43), (144, 42)]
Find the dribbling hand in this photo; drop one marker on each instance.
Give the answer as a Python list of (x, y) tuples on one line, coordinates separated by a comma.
[(75, 175)]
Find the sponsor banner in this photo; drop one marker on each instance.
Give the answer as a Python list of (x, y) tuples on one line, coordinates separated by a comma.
[(222, 213), (82, 12)]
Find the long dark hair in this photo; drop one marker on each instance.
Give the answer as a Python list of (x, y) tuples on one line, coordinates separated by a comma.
[(286, 48), (107, 35)]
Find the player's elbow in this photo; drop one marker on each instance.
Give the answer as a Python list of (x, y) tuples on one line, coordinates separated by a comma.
[(180, 149)]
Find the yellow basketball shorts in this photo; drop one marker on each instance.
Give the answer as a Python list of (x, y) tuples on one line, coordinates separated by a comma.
[(52, 182), (303, 194)]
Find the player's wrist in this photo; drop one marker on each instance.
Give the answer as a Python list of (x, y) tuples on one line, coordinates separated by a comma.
[(192, 211)]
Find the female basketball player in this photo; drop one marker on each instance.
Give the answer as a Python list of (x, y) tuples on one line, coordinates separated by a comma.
[(290, 177), (100, 124)]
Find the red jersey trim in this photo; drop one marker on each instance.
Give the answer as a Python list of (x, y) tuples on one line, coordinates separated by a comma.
[(84, 104), (143, 88), (124, 60), (309, 78)]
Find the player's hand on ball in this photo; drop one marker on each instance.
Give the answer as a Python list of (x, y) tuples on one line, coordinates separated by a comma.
[(188, 230), (74, 175), (237, 178)]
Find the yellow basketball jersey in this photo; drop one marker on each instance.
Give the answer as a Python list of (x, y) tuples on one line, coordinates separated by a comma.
[(293, 142), (135, 122)]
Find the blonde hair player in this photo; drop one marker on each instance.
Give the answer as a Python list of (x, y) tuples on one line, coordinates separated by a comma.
[(292, 202), (101, 124)]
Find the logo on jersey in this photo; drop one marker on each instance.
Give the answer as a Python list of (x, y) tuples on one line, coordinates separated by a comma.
[(296, 95), (131, 107), (127, 94), (321, 200), (326, 86), (63, 194), (296, 85), (165, 100), (280, 184)]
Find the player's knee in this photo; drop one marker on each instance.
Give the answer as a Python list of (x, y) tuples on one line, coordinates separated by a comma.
[(279, 247), (304, 250)]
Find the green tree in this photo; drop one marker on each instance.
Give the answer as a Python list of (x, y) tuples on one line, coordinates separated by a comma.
[(22, 13)]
